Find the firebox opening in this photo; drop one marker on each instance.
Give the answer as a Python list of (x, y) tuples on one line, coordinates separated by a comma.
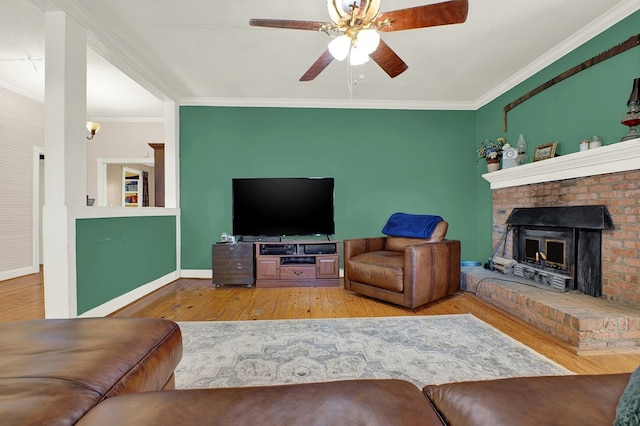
[(560, 247), (556, 254), (531, 249)]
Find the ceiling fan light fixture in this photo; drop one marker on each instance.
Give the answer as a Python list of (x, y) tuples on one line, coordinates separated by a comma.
[(339, 47), (355, 25), (358, 56), (368, 40)]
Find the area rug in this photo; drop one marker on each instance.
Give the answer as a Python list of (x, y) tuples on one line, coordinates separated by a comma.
[(422, 350)]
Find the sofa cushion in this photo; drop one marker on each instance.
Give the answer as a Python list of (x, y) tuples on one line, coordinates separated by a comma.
[(383, 269), (69, 365), (26, 401), (583, 400), (350, 402), (400, 243), (628, 409)]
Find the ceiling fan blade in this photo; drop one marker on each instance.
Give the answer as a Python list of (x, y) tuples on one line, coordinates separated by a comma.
[(388, 60), (318, 66), (289, 24), (429, 15)]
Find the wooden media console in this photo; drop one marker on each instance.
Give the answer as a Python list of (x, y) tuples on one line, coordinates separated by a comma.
[(297, 264)]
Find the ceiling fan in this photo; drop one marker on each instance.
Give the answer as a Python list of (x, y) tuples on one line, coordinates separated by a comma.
[(355, 29)]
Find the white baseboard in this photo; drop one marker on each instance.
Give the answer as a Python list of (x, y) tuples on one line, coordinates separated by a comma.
[(127, 298), (196, 273), (15, 273)]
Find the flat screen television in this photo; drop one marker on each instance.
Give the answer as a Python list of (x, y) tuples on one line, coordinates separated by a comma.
[(276, 207)]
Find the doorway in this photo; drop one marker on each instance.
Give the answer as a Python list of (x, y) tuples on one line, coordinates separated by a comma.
[(38, 203), (110, 178)]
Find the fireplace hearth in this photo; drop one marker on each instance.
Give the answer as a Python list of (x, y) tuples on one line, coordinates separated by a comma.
[(560, 247), (607, 176)]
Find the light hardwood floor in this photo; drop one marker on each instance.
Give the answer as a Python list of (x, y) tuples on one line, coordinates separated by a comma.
[(198, 300)]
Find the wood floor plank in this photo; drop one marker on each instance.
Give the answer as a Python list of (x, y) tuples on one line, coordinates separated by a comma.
[(22, 298), (198, 300)]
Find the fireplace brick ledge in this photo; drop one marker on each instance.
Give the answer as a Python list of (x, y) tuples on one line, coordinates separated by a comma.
[(617, 157), (584, 323)]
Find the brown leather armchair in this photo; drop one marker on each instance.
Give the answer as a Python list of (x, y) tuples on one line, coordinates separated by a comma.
[(405, 271)]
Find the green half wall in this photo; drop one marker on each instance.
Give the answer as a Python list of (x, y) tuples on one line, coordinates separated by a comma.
[(119, 254)]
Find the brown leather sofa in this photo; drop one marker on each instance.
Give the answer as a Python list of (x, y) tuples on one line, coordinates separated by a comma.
[(409, 272), (52, 372), (108, 371), (352, 402), (581, 400), (526, 401)]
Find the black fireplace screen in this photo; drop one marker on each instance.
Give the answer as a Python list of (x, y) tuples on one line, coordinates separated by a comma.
[(550, 249), (556, 253), (552, 252), (557, 245)]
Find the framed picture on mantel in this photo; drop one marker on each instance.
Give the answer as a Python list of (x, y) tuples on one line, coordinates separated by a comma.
[(545, 151)]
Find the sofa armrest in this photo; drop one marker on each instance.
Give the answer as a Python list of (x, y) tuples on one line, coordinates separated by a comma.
[(358, 246), (542, 400), (431, 271)]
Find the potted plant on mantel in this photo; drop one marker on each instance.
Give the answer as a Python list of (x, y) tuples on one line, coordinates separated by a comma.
[(492, 152)]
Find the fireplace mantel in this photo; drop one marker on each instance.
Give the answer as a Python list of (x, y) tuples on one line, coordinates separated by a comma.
[(617, 157)]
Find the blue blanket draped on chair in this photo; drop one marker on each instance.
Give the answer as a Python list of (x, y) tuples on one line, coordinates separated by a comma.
[(411, 225)]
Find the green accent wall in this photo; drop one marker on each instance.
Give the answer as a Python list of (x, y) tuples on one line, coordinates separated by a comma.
[(383, 161), (119, 254), (589, 103), (395, 160)]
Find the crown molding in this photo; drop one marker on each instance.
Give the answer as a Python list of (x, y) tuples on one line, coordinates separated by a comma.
[(128, 119), (111, 47), (328, 103), (599, 25), (106, 43)]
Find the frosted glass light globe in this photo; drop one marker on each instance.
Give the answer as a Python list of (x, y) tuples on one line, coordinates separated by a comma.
[(339, 47), (358, 56), (368, 41)]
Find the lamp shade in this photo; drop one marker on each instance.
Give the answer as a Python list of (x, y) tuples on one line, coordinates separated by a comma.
[(339, 47), (634, 97), (93, 127)]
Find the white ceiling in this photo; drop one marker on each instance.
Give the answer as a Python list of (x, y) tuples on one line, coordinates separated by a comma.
[(205, 52)]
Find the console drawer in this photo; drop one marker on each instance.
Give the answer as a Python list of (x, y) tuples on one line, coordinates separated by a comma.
[(298, 272)]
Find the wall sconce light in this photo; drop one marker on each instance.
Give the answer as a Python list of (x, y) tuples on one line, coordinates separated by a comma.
[(93, 128)]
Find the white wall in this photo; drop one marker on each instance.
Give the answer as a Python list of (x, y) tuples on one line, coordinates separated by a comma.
[(120, 140), (21, 128)]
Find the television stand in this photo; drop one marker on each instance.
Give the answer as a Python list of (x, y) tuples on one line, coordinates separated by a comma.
[(232, 264), (258, 238), (297, 264)]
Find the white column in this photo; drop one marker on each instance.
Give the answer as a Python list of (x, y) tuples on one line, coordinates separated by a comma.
[(66, 156), (171, 159)]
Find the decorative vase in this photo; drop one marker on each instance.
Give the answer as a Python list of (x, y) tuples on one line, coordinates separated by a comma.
[(493, 164), (522, 151)]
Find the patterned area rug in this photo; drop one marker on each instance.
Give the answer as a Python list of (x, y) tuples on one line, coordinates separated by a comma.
[(422, 350)]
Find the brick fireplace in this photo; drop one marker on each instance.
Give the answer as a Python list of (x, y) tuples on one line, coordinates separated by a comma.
[(608, 176)]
